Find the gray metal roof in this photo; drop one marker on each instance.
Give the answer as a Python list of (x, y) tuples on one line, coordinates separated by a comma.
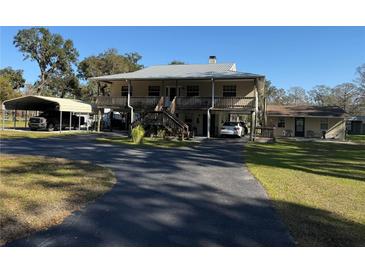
[(35, 102), (198, 71)]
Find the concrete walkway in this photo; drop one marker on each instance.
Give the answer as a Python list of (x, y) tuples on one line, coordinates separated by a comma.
[(197, 196)]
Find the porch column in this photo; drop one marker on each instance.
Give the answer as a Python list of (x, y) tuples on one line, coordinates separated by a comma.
[(129, 101), (209, 109), (252, 126), (256, 102), (99, 118)]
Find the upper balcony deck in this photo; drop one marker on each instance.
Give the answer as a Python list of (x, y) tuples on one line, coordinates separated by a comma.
[(182, 102)]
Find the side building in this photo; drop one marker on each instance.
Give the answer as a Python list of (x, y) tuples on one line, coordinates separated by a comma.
[(307, 121)]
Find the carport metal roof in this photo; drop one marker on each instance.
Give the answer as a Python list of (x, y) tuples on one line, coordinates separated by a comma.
[(35, 102)]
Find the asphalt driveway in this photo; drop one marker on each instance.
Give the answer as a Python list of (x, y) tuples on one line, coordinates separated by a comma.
[(194, 196)]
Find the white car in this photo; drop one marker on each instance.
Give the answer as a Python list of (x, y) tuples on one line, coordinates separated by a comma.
[(232, 129)]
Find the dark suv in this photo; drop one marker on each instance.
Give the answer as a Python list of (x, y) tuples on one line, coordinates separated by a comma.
[(50, 120)]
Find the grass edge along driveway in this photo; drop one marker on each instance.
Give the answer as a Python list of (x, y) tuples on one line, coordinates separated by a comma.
[(317, 188), (38, 192), (16, 134)]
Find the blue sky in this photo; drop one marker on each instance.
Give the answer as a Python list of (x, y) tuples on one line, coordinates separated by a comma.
[(288, 56)]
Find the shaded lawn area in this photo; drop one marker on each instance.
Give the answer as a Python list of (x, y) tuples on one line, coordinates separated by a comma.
[(147, 142), (37, 192), (14, 134), (318, 189), (356, 138), (10, 123)]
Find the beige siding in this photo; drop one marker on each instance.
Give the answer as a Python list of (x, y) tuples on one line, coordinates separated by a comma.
[(336, 127), (140, 88)]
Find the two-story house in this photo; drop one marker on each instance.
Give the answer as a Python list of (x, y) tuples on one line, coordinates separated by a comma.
[(203, 96)]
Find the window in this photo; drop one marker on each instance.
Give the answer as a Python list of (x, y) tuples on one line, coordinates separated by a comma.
[(153, 90), (192, 91), (229, 91), (124, 91), (323, 124), (281, 122)]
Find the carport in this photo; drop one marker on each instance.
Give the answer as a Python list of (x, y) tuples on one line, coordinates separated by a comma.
[(46, 103)]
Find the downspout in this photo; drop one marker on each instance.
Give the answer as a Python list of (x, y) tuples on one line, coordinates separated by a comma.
[(209, 109), (129, 101)]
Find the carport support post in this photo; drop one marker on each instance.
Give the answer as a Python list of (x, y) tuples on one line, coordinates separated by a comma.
[(79, 121), (60, 121), (70, 124), (3, 117), (26, 118), (14, 117)]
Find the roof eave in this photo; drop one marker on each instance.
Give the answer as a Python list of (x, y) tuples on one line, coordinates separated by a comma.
[(101, 79)]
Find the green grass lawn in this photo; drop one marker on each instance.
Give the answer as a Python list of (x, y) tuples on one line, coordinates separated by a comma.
[(16, 134), (10, 124), (356, 138), (317, 188), (147, 142), (38, 192)]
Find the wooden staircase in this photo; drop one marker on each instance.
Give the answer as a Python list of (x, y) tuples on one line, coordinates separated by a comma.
[(163, 118)]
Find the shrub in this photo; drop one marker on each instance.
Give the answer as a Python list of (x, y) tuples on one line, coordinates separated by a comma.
[(161, 133), (138, 134)]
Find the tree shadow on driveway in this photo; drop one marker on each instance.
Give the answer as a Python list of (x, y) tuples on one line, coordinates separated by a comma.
[(194, 196)]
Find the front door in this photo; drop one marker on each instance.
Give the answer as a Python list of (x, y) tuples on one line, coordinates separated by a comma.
[(299, 127), (171, 92)]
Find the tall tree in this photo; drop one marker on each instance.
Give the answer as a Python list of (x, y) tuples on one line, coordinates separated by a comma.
[(134, 58), (321, 95), (106, 63), (6, 89), (275, 95), (297, 96), (345, 96), (14, 76), (54, 55), (64, 85), (360, 80)]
